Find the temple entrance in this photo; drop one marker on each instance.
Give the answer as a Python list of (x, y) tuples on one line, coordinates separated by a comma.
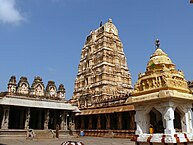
[(54, 119), (17, 118), (156, 121), (177, 120), (36, 118)]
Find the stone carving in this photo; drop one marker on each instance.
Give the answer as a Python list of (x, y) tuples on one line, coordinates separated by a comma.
[(27, 119), (23, 86), (51, 89), (37, 88), (12, 85), (47, 117), (5, 120), (61, 91)]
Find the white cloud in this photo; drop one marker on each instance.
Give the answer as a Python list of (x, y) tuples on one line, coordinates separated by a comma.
[(9, 13)]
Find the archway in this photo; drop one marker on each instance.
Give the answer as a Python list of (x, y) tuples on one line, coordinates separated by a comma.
[(156, 121), (177, 120)]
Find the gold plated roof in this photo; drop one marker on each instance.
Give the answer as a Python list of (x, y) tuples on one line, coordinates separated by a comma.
[(160, 74), (159, 57)]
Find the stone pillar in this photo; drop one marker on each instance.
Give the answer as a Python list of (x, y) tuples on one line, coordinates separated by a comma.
[(71, 122), (169, 118), (132, 120), (98, 122), (27, 118), (108, 123), (119, 119), (187, 121), (190, 120), (46, 119), (139, 122), (5, 120), (63, 124)]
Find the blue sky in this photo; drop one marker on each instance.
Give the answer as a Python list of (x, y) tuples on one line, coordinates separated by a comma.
[(45, 37)]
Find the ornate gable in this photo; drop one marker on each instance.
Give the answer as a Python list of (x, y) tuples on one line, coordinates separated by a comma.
[(23, 86), (12, 85), (37, 88), (51, 89)]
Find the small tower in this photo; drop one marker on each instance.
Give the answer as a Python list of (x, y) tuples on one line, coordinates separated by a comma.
[(51, 89), (61, 92), (37, 88), (12, 85), (23, 86), (162, 100)]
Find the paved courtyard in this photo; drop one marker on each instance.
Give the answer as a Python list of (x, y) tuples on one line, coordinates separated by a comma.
[(85, 140)]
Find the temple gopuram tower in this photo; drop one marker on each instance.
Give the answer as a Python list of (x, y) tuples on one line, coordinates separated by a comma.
[(102, 86), (102, 72)]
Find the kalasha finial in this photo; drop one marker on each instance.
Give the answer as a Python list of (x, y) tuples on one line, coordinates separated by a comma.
[(110, 20), (157, 43)]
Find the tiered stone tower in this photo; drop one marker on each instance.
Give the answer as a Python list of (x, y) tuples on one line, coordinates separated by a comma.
[(102, 73)]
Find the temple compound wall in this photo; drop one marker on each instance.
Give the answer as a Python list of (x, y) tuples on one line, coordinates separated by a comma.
[(27, 107)]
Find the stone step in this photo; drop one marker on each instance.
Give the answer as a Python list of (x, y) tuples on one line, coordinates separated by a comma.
[(43, 134), (13, 133)]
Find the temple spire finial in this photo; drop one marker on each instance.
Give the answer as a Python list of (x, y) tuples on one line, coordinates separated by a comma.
[(157, 43), (110, 20), (101, 23)]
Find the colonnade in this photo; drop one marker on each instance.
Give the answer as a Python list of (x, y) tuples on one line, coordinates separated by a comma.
[(12, 117), (111, 121)]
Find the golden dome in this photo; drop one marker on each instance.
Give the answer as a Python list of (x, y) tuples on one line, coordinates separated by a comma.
[(159, 57), (160, 75)]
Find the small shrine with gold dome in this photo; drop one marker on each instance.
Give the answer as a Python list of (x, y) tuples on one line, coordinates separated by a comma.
[(160, 74), (163, 103)]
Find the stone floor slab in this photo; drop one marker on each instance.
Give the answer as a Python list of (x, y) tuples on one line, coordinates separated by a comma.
[(85, 140)]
